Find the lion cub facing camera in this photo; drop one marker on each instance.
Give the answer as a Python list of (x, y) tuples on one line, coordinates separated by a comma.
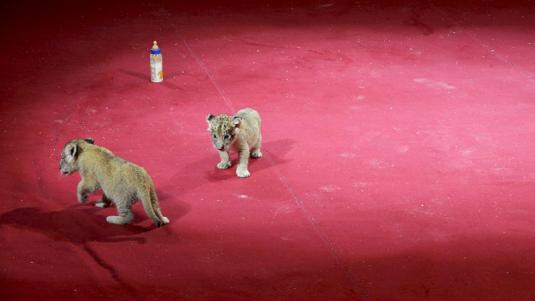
[(121, 181), (241, 132)]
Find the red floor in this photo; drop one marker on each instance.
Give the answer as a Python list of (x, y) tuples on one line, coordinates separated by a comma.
[(399, 151)]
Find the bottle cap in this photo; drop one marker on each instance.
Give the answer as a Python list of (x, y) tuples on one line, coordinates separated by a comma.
[(155, 49)]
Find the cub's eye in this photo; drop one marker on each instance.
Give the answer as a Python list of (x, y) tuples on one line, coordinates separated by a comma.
[(227, 136), (214, 135)]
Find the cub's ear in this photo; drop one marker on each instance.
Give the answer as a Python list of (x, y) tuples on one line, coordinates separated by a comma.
[(209, 117), (236, 121), (89, 140), (71, 151)]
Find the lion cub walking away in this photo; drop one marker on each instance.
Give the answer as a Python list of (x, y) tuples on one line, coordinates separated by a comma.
[(121, 181), (241, 132)]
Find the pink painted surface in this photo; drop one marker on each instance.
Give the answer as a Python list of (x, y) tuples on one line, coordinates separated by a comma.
[(398, 158)]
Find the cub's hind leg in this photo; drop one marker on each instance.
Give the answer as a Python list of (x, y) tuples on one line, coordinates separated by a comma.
[(256, 152), (124, 213)]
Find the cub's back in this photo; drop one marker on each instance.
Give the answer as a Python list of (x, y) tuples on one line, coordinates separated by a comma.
[(97, 157), (250, 116), (129, 170)]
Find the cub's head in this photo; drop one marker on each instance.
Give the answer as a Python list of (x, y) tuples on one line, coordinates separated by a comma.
[(69, 156), (223, 129)]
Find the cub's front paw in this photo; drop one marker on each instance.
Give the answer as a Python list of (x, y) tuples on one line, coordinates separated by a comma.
[(82, 198), (242, 172), (224, 165), (115, 220), (119, 220), (102, 204)]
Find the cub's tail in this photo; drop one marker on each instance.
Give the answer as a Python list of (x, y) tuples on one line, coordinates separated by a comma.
[(152, 207), (156, 206)]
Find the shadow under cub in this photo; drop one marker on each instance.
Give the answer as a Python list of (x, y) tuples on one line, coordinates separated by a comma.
[(74, 224), (274, 153)]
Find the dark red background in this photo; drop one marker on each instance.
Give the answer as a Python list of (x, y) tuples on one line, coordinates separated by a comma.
[(399, 150)]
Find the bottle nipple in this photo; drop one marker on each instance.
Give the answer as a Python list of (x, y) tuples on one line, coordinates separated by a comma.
[(155, 45)]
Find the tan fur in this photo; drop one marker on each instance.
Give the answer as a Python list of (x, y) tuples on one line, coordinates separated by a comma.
[(121, 181), (241, 132)]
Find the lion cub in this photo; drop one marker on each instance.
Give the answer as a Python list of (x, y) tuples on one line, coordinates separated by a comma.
[(241, 132), (121, 181)]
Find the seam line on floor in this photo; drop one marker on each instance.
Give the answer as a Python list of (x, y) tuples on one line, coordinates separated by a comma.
[(299, 203)]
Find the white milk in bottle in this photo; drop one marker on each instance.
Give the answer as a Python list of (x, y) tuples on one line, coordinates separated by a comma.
[(156, 64)]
